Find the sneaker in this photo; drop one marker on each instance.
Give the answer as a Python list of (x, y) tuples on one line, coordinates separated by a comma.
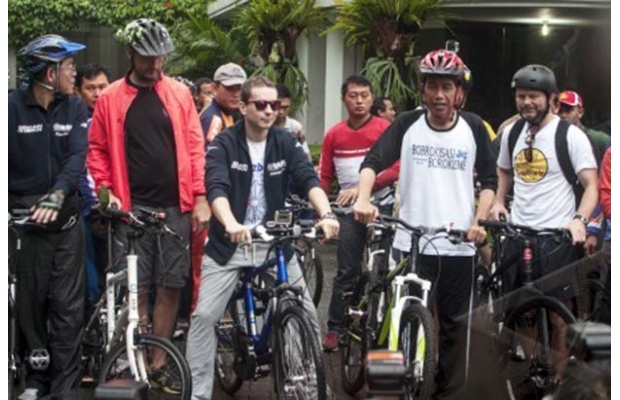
[(29, 394), (331, 342), (166, 380)]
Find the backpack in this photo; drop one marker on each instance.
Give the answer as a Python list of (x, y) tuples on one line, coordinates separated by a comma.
[(561, 149)]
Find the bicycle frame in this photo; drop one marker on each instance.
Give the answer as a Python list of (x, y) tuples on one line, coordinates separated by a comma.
[(261, 340)]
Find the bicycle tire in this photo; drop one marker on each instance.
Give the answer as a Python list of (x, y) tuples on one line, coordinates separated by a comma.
[(116, 365), (227, 339), (292, 333), (532, 374), (592, 292), (481, 293), (419, 382), (354, 342), (312, 268)]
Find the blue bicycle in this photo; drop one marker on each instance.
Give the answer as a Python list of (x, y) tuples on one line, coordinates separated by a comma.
[(286, 344)]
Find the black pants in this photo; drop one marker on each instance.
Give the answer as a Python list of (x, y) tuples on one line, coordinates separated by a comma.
[(451, 279), (50, 295), (352, 240)]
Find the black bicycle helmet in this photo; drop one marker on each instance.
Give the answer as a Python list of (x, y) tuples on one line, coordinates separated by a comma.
[(45, 50), (148, 37), (537, 77)]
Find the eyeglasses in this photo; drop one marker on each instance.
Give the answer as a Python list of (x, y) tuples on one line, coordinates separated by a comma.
[(70, 66), (529, 150), (261, 105)]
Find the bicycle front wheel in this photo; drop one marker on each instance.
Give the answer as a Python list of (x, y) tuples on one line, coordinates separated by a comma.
[(173, 380), (311, 267), (529, 362), (228, 341), (417, 342), (298, 368)]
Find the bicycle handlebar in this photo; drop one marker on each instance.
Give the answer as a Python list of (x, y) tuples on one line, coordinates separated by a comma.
[(21, 217), (144, 218), (272, 233), (515, 230), (455, 235)]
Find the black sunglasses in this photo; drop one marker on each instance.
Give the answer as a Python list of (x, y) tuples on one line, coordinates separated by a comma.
[(261, 105)]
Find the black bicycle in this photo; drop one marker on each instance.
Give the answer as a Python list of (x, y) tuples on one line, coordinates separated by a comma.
[(527, 356), (18, 219), (308, 258)]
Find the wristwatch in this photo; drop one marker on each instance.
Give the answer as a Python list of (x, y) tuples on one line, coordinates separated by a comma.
[(581, 218), (329, 215)]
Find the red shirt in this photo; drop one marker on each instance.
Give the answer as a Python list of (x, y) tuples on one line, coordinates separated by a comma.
[(344, 149)]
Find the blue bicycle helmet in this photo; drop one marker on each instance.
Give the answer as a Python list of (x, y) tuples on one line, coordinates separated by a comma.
[(45, 50)]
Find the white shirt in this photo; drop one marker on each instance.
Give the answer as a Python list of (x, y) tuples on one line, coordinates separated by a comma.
[(257, 203), (542, 195), (437, 186)]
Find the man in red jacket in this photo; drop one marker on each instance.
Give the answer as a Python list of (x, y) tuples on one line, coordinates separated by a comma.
[(147, 147)]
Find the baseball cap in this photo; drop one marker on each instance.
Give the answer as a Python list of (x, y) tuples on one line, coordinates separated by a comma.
[(230, 74), (570, 98)]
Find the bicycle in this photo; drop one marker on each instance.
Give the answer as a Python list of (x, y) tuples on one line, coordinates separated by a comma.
[(18, 219), (531, 315), (132, 357), (287, 345), (387, 313), (308, 258)]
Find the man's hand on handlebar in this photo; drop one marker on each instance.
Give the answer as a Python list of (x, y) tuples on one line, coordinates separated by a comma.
[(47, 208), (499, 213), (577, 230), (476, 234), (365, 212), (238, 233), (330, 228)]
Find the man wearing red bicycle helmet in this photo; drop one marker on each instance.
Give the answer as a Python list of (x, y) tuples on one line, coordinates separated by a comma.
[(439, 148)]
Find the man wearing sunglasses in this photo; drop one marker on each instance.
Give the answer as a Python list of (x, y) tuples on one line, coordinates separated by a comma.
[(249, 167), (543, 196)]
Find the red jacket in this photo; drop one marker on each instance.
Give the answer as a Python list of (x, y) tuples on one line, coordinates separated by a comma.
[(106, 153), (605, 184)]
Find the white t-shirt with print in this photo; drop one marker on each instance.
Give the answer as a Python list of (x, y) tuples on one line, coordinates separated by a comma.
[(437, 186), (257, 203), (542, 195)]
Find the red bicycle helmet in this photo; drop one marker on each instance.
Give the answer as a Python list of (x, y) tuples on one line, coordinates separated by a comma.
[(442, 62)]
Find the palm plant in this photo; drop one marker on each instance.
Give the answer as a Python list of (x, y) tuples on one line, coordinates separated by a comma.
[(272, 28), (386, 31), (202, 45)]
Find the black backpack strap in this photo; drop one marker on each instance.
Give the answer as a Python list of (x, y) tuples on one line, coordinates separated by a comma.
[(561, 148), (513, 136)]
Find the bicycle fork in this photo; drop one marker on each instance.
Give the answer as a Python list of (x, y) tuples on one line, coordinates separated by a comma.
[(134, 354)]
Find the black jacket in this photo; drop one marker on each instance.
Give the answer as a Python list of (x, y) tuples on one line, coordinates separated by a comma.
[(47, 150), (229, 174)]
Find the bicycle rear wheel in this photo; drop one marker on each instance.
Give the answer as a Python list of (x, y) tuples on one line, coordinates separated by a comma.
[(227, 331), (298, 367), (417, 342), (311, 267), (171, 381), (528, 360)]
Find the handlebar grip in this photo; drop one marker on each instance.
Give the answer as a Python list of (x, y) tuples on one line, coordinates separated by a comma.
[(491, 224), (113, 212)]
